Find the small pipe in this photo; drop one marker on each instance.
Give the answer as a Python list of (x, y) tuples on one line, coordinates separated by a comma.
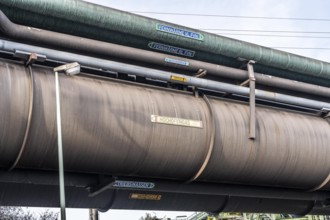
[(162, 75), (86, 46), (93, 214), (212, 127), (60, 148)]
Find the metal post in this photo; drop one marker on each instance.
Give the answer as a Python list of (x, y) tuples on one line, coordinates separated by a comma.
[(60, 148), (93, 214), (252, 99)]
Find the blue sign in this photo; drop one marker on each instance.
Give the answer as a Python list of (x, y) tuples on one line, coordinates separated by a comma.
[(180, 32), (175, 61), (133, 184), (171, 49)]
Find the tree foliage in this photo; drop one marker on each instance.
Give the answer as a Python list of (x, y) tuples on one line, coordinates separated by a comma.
[(18, 213)]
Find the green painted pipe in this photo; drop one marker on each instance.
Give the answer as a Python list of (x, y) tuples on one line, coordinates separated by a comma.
[(106, 24)]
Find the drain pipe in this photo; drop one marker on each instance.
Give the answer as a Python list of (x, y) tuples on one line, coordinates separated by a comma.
[(69, 69), (162, 75), (103, 49)]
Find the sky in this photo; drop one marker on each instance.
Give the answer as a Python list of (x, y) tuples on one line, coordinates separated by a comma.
[(317, 9)]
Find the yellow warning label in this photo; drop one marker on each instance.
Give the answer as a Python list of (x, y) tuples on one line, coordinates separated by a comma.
[(178, 78), (145, 196)]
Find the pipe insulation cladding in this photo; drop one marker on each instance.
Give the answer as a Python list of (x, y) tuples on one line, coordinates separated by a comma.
[(93, 21), (107, 50), (115, 128)]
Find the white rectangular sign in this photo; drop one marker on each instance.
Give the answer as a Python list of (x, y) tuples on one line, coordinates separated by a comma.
[(176, 121)]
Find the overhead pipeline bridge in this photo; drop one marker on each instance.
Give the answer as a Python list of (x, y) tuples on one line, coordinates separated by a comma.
[(159, 117)]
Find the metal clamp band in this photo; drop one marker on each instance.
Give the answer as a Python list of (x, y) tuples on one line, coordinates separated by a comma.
[(308, 209), (28, 124), (223, 206), (326, 180), (211, 144)]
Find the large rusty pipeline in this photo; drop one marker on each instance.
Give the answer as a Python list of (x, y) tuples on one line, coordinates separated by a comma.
[(101, 49), (124, 129)]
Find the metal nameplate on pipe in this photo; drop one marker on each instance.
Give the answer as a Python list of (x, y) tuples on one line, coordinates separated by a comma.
[(176, 121), (133, 184), (175, 61), (145, 196), (179, 32), (171, 49)]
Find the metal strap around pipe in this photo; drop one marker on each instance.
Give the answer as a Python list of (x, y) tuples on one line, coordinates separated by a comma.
[(111, 202), (224, 205), (28, 124), (308, 209), (327, 179), (324, 183), (211, 143)]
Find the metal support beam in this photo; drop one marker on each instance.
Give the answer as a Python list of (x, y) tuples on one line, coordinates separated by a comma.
[(93, 214), (101, 187), (200, 73), (252, 100), (29, 57)]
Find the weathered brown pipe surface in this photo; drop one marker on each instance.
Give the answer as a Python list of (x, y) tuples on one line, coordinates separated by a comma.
[(103, 49), (107, 129)]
